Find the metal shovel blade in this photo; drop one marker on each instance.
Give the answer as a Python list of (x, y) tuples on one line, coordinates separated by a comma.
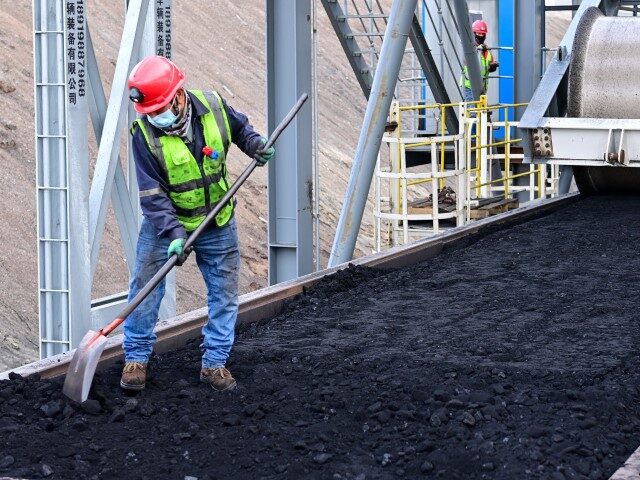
[(83, 365)]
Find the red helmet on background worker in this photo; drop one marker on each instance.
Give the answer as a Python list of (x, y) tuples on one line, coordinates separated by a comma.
[(480, 27), (153, 83)]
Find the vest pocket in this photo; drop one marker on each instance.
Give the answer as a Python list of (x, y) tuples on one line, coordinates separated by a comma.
[(181, 158), (189, 200), (213, 165)]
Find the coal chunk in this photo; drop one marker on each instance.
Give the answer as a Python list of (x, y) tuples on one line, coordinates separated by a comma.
[(231, 420), (117, 416), (91, 406), (426, 467), (52, 409), (322, 458), (45, 470)]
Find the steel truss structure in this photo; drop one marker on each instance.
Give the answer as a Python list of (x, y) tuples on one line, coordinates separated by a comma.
[(68, 90)]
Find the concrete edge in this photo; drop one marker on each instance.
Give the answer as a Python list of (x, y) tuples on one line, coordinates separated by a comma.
[(630, 470)]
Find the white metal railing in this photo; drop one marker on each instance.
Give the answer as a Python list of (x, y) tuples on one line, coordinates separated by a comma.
[(482, 164)]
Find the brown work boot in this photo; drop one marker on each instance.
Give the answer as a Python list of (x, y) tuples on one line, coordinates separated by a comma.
[(219, 378), (134, 376)]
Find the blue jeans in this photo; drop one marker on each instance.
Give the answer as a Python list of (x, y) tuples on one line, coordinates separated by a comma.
[(467, 94), (218, 258)]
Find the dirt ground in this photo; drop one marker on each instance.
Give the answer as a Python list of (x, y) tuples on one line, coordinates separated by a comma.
[(513, 357)]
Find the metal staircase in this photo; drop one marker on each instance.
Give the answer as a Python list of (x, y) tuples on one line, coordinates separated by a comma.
[(360, 27)]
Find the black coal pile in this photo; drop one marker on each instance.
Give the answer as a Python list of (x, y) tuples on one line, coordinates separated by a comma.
[(513, 358)]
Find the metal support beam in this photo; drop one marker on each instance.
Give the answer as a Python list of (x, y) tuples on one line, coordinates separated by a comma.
[(125, 215), (610, 7), (528, 28), (384, 81), (103, 176), (62, 172), (566, 177), (349, 45), (430, 69), (469, 47), (290, 175)]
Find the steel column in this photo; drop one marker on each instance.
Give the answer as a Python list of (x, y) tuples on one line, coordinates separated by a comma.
[(528, 66), (62, 173), (125, 215), (469, 47), (384, 81), (610, 7), (565, 180), (528, 61), (114, 123), (290, 174)]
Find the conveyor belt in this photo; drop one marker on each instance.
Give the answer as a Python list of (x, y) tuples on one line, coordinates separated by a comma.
[(268, 302), (509, 354)]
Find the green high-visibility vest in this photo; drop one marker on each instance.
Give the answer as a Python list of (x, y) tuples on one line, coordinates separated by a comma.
[(195, 185), (484, 71)]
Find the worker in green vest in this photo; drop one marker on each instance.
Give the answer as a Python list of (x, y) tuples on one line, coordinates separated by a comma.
[(487, 63), (180, 145)]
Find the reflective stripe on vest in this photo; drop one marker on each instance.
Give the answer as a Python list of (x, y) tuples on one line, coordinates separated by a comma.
[(484, 71), (194, 185)]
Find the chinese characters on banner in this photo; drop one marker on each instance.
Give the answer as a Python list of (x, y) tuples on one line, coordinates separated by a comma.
[(75, 21), (163, 28)]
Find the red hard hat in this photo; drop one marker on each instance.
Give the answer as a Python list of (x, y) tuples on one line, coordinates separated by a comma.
[(480, 27), (153, 83)]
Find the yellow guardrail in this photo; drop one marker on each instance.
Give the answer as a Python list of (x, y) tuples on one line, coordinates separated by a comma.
[(474, 109), (443, 117), (474, 149)]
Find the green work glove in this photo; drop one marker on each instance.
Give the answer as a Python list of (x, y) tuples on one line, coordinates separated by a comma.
[(262, 157), (176, 247)]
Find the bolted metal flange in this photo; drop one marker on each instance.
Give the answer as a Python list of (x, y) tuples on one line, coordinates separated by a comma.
[(542, 145), (615, 158)]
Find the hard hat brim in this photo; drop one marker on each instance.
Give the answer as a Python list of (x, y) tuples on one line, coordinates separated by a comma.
[(150, 107)]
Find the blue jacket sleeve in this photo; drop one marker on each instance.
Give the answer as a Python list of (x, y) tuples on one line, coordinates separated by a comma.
[(153, 187), (242, 132)]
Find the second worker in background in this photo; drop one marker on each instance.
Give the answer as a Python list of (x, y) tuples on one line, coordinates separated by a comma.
[(487, 63)]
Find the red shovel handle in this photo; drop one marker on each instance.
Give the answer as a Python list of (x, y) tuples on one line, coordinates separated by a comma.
[(111, 327)]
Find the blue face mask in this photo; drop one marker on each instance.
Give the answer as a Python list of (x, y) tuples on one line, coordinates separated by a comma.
[(163, 120)]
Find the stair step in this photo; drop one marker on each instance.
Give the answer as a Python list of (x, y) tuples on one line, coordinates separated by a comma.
[(365, 16)]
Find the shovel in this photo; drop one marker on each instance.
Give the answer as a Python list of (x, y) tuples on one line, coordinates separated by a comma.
[(85, 359)]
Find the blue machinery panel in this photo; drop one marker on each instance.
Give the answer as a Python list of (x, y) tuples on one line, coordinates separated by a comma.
[(506, 25)]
